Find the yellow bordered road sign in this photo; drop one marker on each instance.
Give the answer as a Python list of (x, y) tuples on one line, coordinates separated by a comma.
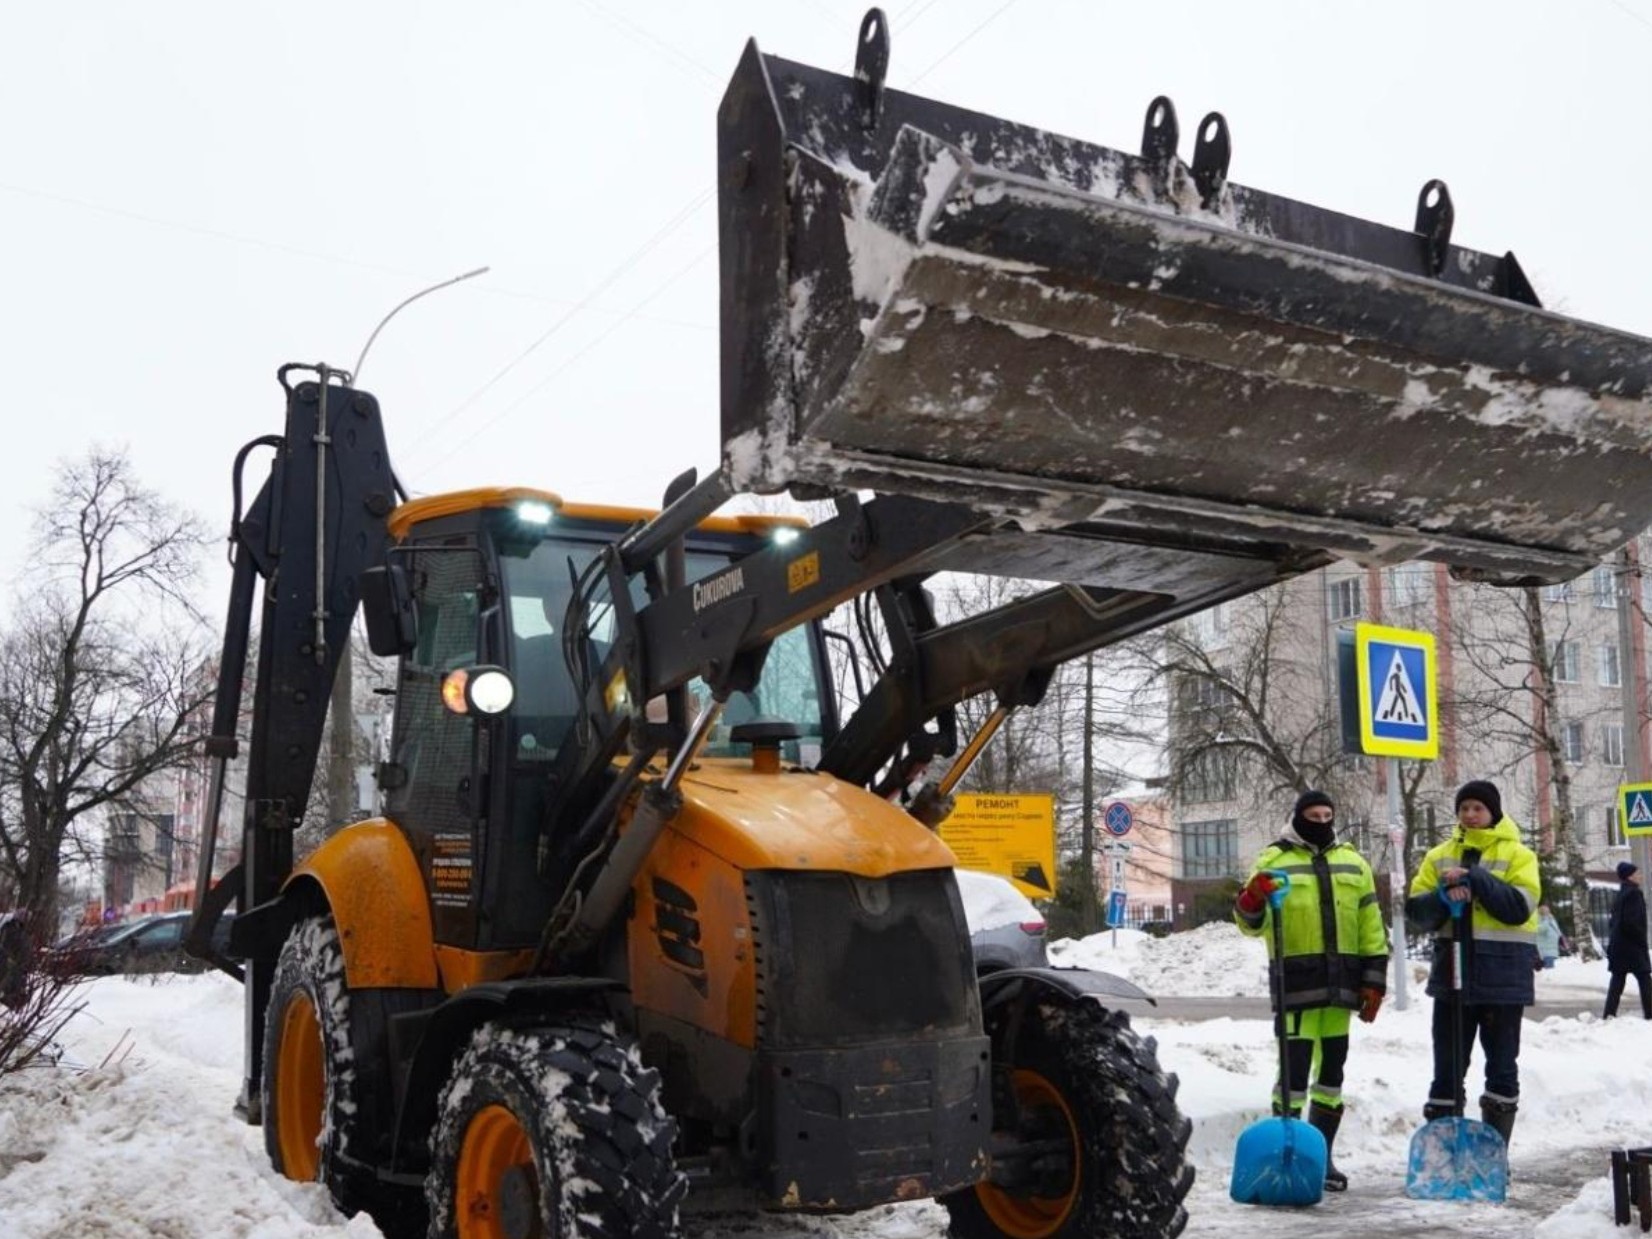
[(1399, 710), (1635, 808)]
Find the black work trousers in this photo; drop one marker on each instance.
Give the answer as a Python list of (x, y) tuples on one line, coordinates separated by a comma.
[(1614, 991), (1497, 1025)]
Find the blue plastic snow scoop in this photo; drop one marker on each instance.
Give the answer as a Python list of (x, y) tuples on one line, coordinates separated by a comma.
[(1457, 1158), (1279, 1161)]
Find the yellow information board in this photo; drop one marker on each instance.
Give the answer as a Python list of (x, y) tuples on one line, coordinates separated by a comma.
[(1010, 835)]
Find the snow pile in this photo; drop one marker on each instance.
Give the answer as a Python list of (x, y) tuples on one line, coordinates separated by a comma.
[(1577, 1102), (1587, 1217), (1213, 961), (991, 901), (147, 1144)]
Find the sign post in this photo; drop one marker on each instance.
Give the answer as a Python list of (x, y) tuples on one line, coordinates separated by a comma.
[(1117, 819), (1399, 716)]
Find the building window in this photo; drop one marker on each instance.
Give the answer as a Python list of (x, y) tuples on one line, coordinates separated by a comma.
[(1564, 592), (1211, 626), (1566, 662), (1608, 663), (1409, 584), (1611, 743), (1210, 849), (1614, 831), (1365, 838), (1199, 692), (1605, 583), (1346, 602), (1210, 777), (1571, 742)]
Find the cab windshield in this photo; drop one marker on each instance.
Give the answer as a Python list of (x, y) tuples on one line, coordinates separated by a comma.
[(538, 587)]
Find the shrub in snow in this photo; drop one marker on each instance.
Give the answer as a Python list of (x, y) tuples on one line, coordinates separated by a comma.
[(36, 1000)]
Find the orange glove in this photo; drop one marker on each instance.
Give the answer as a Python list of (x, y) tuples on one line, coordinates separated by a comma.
[(1256, 894), (1370, 1001)]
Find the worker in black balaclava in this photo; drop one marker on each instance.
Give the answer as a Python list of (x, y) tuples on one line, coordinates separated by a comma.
[(1320, 982), (1319, 830)]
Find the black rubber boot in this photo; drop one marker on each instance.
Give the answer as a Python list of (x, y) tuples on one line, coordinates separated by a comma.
[(1499, 1115), (1327, 1121), (1438, 1110)]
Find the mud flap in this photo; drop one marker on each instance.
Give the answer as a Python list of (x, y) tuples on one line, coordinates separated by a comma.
[(1005, 984), (922, 299)]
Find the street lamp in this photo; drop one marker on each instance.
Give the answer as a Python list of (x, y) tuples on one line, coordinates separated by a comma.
[(355, 375)]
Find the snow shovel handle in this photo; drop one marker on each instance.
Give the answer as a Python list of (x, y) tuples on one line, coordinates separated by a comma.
[(1460, 1092), (1276, 982)]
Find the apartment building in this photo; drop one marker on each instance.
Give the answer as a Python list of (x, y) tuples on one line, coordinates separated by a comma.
[(1276, 654)]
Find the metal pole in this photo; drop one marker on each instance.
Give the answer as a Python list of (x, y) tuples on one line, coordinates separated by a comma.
[(1630, 677), (1396, 846), (1087, 838)]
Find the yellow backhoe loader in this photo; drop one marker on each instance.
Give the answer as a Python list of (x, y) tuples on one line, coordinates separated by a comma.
[(637, 932)]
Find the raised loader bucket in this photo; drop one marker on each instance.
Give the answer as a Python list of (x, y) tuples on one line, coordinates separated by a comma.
[(922, 299)]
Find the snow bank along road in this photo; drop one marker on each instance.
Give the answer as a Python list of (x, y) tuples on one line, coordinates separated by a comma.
[(147, 1146)]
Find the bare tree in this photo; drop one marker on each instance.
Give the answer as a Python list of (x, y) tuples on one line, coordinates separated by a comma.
[(1250, 714), (1514, 709), (97, 669)]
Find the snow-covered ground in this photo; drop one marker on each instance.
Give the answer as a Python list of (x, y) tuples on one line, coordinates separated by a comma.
[(144, 1144)]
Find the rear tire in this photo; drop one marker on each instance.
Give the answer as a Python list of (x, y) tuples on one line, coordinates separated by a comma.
[(555, 1132), (1080, 1070)]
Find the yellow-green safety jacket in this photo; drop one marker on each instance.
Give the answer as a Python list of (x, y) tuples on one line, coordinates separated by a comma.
[(1335, 943), (1499, 926)]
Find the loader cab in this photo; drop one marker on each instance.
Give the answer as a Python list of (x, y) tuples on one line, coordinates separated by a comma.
[(488, 577)]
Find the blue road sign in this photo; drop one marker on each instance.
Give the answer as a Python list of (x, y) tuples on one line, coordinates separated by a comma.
[(1115, 909), (1398, 710), (1117, 819)]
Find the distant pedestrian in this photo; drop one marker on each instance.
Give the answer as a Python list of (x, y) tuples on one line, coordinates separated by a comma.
[(1549, 937), (1485, 867), (14, 960), (1336, 958), (1626, 954)]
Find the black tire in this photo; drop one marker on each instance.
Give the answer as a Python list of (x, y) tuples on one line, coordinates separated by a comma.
[(1132, 1163), (354, 1103), (603, 1129)]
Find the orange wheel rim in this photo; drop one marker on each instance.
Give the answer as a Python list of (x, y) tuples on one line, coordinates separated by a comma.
[(494, 1145), (300, 1090), (1024, 1216)]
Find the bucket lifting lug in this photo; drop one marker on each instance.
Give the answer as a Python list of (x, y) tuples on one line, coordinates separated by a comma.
[(1434, 220), (871, 66), (1160, 135), (1211, 152)]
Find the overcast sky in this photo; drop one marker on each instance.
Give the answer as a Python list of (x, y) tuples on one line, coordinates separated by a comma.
[(194, 193)]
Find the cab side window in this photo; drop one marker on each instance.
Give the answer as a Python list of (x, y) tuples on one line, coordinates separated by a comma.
[(432, 745)]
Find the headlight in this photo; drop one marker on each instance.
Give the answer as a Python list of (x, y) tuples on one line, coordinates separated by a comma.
[(533, 512), (478, 690), (784, 535)]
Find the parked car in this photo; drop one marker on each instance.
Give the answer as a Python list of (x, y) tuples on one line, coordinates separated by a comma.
[(152, 944), (1006, 930)]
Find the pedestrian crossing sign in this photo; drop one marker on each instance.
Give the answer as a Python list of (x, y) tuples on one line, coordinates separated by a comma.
[(1399, 713), (1635, 808)]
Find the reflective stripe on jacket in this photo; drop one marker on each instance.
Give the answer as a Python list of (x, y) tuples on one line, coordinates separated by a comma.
[(1500, 928), (1335, 943)]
